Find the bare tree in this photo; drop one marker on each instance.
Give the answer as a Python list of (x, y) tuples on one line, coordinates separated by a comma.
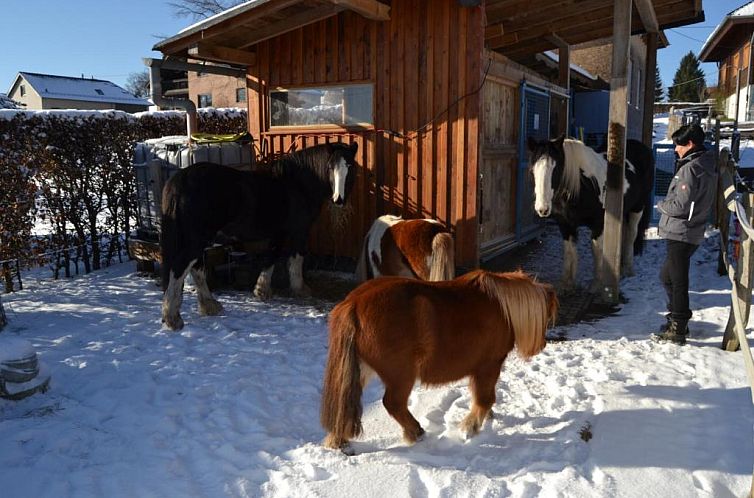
[(201, 9), (137, 84)]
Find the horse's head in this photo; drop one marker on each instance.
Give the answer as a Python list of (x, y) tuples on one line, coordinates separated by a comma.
[(342, 168), (546, 160)]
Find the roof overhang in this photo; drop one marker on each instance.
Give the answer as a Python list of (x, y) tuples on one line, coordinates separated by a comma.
[(726, 38), (228, 37), (515, 28), (518, 28)]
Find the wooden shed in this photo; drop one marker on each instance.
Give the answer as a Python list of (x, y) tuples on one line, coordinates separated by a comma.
[(436, 93)]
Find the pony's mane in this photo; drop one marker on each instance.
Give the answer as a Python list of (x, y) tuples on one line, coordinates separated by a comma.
[(580, 159), (524, 303), (311, 160)]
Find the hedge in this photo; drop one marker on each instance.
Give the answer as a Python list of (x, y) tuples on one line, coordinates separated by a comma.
[(71, 172)]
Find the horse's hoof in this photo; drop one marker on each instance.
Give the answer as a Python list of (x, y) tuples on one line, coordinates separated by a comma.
[(414, 435), (470, 426), (262, 294), (210, 308), (173, 322), (304, 291)]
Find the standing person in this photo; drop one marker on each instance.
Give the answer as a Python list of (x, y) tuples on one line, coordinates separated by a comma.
[(685, 211)]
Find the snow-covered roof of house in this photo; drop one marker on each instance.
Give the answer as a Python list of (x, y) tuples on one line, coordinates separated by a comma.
[(50, 86), (714, 48)]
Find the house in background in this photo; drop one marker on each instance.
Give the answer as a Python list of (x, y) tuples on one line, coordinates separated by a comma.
[(46, 91), (729, 46), (216, 90)]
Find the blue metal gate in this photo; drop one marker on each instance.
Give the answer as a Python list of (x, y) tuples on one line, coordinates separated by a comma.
[(535, 122), (664, 171)]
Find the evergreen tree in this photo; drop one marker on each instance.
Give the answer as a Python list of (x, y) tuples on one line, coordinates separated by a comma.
[(659, 89), (688, 82)]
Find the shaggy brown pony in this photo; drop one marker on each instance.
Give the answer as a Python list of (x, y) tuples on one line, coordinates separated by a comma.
[(420, 249), (437, 332)]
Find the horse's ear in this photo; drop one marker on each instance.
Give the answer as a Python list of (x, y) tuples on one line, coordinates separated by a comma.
[(531, 143), (353, 148)]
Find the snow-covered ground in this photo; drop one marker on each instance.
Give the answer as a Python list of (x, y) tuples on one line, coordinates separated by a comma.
[(230, 405)]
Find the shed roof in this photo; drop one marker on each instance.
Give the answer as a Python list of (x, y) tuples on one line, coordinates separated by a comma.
[(728, 36), (50, 86), (515, 28)]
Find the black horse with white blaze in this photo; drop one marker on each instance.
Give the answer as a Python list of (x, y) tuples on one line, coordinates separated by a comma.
[(206, 203), (569, 185)]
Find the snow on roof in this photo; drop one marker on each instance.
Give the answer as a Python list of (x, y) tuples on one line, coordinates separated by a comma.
[(744, 10), (222, 15), (90, 90), (574, 67)]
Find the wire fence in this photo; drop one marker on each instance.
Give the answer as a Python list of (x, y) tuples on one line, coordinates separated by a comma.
[(65, 261)]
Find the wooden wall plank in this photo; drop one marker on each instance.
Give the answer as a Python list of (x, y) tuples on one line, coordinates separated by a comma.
[(440, 104), (411, 108), (426, 96)]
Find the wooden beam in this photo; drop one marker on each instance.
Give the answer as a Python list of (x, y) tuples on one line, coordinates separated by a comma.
[(616, 152), (564, 79), (494, 30), (371, 9), (294, 22), (648, 16), (183, 42), (217, 53), (649, 88)]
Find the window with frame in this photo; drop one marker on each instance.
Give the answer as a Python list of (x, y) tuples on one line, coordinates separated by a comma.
[(240, 94), (205, 100), (23, 90), (337, 105), (99, 92)]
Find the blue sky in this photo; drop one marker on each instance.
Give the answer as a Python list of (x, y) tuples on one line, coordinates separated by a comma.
[(107, 38)]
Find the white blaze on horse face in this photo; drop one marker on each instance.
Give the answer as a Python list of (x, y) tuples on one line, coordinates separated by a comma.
[(543, 191), (340, 173)]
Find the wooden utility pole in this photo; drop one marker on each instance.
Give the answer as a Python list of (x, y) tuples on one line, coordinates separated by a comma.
[(616, 151), (649, 90)]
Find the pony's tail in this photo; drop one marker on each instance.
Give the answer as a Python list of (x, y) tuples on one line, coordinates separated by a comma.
[(362, 271), (169, 233), (341, 394), (646, 215), (443, 260), (529, 307)]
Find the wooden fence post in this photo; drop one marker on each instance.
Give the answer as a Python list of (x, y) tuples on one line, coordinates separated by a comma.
[(743, 280)]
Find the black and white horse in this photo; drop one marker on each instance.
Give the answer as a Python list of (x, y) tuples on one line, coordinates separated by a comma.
[(569, 185), (206, 203)]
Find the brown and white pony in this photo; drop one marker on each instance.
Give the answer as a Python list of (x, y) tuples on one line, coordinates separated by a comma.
[(437, 332), (421, 249)]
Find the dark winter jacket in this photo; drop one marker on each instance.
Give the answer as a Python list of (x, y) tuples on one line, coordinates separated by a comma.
[(691, 194)]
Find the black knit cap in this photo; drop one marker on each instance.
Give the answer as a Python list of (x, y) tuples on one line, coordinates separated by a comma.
[(689, 133)]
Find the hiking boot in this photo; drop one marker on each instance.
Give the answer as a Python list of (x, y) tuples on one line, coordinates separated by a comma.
[(675, 333), (666, 325)]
